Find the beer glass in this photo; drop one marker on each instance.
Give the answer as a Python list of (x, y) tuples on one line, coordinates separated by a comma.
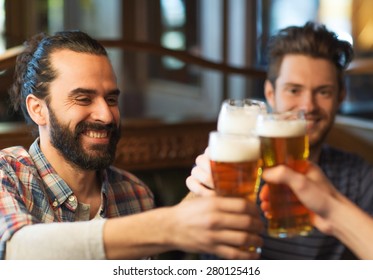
[(238, 116), (235, 164), (284, 140)]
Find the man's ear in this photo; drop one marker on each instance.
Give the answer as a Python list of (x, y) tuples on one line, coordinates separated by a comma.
[(269, 93), (37, 109)]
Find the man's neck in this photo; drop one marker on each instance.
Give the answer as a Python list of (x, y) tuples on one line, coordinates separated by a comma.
[(84, 183), (315, 153)]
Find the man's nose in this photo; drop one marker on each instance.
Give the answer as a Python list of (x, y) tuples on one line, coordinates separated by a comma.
[(101, 112), (308, 102)]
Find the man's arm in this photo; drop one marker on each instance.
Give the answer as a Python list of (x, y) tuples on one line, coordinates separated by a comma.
[(64, 241), (214, 225), (334, 214)]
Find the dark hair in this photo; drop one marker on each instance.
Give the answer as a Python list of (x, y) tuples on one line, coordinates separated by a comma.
[(33, 69), (312, 39)]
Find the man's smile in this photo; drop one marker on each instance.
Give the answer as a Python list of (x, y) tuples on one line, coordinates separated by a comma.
[(96, 134)]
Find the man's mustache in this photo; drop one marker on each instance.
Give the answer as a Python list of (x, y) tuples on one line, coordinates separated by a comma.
[(84, 126)]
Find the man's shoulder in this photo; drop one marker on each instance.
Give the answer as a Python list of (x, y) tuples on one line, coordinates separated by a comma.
[(14, 154), (119, 177), (349, 172), (116, 174), (335, 156), (125, 184)]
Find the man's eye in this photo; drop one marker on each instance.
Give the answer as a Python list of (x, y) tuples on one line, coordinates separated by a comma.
[(325, 93), (293, 90), (112, 101), (83, 101)]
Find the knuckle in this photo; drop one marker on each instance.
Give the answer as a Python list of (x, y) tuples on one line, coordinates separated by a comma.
[(212, 221)]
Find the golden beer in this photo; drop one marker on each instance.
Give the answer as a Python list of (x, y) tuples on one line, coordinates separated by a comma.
[(235, 164), (236, 179), (284, 141)]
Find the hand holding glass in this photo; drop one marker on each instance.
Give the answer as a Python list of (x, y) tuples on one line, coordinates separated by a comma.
[(235, 166), (284, 141)]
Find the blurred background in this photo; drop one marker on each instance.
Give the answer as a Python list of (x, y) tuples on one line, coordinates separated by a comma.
[(234, 32)]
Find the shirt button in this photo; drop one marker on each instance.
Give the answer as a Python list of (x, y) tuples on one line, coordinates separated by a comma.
[(85, 207), (71, 198), (55, 203)]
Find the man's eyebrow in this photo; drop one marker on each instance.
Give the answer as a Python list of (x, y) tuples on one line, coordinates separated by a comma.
[(114, 92), (326, 86), (77, 91), (290, 84), (82, 90)]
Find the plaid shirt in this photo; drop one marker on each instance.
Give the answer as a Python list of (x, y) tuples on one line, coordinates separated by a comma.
[(32, 192)]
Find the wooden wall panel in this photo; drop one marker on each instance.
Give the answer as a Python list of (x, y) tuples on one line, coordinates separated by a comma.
[(144, 145)]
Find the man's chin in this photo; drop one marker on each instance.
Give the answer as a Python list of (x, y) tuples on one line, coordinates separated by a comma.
[(97, 163), (97, 154), (316, 140), (313, 139)]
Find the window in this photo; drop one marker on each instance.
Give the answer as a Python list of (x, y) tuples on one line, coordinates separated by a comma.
[(2, 25), (231, 31)]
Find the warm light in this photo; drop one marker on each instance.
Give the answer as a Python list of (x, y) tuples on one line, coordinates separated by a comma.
[(345, 36), (338, 20)]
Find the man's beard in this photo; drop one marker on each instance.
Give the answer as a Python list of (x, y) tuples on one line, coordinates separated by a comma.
[(68, 142)]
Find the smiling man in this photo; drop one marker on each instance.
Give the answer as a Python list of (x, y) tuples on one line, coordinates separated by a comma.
[(88, 144), (305, 72), (62, 199)]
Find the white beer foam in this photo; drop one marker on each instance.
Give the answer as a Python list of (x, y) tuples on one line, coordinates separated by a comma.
[(233, 148), (240, 120), (281, 128)]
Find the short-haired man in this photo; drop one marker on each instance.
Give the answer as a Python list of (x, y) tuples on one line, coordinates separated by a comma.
[(305, 72)]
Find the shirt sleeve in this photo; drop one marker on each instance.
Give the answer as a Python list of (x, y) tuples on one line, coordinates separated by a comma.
[(14, 213), (58, 241)]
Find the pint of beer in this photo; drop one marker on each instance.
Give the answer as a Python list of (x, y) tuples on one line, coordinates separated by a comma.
[(284, 141), (238, 116), (235, 164)]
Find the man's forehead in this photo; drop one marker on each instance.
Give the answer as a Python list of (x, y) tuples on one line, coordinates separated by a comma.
[(64, 55), (82, 70), (298, 60), (66, 61), (59, 53), (298, 69)]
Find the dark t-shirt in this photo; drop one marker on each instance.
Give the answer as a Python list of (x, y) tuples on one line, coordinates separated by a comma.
[(353, 177)]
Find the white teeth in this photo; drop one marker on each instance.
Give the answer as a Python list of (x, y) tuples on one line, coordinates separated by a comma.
[(95, 134)]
